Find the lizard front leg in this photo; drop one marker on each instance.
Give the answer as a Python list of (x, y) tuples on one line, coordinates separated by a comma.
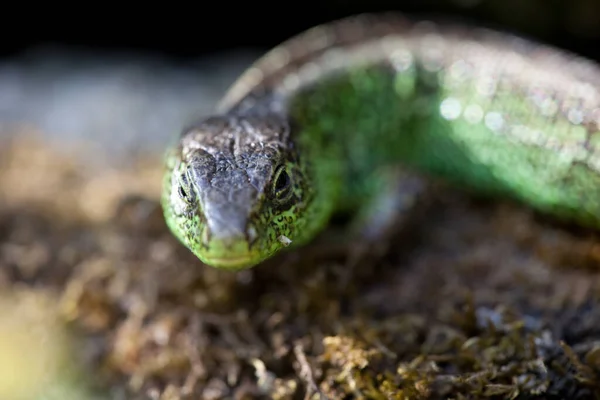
[(396, 197)]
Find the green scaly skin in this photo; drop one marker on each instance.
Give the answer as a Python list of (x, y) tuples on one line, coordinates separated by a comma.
[(312, 128)]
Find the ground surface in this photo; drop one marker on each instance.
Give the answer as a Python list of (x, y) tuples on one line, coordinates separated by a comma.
[(473, 300)]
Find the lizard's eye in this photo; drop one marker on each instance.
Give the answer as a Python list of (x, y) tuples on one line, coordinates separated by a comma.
[(282, 185), (186, 193)]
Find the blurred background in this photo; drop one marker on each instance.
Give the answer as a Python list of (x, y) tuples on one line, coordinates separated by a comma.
[(112, 73)]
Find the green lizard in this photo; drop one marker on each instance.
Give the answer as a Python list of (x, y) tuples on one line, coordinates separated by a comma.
[(321, 123)]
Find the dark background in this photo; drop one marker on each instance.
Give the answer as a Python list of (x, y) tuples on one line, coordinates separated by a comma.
[(190, 30)]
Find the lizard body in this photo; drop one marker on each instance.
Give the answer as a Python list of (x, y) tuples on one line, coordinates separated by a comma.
[(317, 124)]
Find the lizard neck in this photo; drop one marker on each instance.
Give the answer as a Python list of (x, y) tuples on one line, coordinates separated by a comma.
[(319, 52)]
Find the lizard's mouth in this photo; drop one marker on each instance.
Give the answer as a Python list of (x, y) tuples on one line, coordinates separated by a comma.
[(232, 263)]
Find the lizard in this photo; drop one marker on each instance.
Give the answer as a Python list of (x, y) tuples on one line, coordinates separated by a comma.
[(334, 120)]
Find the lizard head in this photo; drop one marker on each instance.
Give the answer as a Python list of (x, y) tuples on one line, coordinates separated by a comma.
[(235, 191)]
